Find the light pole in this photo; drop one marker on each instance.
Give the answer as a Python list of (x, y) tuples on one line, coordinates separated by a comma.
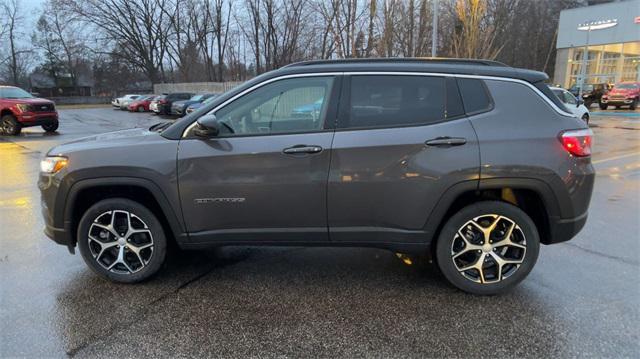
[(434, 26), (588, 26), (583, 68)]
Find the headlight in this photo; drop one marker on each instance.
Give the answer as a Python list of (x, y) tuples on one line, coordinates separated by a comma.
[(23, 107), (53, 164)]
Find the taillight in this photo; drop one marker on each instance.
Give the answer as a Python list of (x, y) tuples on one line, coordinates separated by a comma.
[(577, 142)]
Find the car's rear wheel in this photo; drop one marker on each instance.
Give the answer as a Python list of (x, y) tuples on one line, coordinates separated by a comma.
[(634, 104), (487, 247), (10, 126), (122, 240), (51, 127), (585, 118), (140, 108)]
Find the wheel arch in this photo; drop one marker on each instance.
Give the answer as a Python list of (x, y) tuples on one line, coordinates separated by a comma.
[(6, 111), (85, 193), (533, 196)]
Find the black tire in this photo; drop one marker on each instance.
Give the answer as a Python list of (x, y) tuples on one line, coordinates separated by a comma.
[(603, 106), (585, 118), (140, 108), (525, 234), (132, 271), (587, 104), (51, 127), (10, 126), (634, 104)]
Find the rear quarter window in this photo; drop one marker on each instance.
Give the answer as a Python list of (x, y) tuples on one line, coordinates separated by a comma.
[(475, 96)]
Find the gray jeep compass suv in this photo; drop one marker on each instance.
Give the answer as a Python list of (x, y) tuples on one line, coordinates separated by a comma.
[(472, 162)]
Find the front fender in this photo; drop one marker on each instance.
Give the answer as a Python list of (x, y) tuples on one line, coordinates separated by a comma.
[(65, 208)]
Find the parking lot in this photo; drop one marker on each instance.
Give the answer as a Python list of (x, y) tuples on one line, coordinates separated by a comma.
[(580, 300)]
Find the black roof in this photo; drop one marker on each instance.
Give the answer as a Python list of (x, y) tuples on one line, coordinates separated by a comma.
[(457, 66)]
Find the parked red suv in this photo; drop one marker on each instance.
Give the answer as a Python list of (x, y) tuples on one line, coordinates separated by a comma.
[(19, 109), (622, 94)]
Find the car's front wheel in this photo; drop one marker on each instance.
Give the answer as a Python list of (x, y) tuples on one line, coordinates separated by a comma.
[(634, 104), (122, 240), (140, 108), (603, 106), (10, 126), (50, 127), (487, 247)]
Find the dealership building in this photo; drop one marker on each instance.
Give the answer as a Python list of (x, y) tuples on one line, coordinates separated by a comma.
[(611, 32)]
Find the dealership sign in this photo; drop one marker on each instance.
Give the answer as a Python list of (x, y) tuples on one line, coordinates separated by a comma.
[(598, 24)]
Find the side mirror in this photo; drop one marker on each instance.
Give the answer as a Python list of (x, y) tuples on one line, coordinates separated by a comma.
[(580, 102), (207, 126)]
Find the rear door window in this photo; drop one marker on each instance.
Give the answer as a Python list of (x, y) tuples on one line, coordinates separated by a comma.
[(390, 100)]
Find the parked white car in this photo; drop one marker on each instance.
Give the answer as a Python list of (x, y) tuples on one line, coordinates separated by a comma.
[(571, 102), (124, 100)]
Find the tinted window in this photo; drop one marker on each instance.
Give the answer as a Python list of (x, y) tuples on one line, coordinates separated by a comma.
[(626, 86), (14, 92), (569, 98), (292, 105), (474, 95), (453, 100), (395, 100)]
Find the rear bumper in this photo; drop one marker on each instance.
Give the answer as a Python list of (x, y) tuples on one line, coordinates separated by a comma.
[(562, 229)]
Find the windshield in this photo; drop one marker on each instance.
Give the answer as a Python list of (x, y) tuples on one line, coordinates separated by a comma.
[(626, 86), (14, 92), (196, 98)]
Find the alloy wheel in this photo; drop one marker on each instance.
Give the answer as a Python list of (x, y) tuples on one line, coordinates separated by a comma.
[(7, 126), (488, 249), (120, 242)]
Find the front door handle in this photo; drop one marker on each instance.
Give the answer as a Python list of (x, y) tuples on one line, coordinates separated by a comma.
[(302, 149), (446, 141)]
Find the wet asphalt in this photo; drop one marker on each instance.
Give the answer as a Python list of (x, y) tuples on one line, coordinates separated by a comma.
[(581, 299)]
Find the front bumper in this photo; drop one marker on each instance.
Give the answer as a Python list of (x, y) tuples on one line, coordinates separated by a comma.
[(28, 119), (618, 102), (58, 235), (49, 193)]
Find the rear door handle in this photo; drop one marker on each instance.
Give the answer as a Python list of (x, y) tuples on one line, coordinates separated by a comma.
[(301, 149), (446, 141)]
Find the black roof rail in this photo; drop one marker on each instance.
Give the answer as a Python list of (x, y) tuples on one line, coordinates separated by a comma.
[(432, 60)]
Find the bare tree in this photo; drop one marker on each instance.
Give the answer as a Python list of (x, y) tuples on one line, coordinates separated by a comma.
[(141, 30), (60, 39), (16, 63), (218, 40), (475, 32)]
